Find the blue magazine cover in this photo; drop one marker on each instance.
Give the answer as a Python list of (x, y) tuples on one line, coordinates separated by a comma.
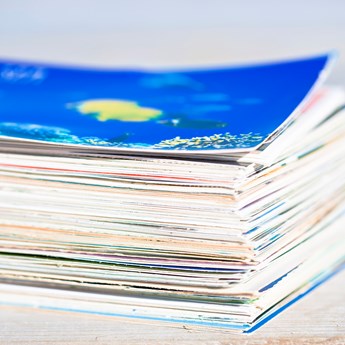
[(211, 109)]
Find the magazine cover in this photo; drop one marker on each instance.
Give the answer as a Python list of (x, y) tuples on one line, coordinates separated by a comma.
[(211, 109)]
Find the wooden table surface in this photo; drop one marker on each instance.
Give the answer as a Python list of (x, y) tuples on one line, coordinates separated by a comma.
[(177, 32)]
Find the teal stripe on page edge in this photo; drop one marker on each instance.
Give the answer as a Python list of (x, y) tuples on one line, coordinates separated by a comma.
[(245, 328)]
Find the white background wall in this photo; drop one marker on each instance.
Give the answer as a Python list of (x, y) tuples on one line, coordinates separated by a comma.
[(170, 33)]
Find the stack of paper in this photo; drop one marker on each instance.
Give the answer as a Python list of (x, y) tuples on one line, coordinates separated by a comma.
[(209, 196)]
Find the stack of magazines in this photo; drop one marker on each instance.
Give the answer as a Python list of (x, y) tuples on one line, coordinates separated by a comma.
[(203, 197)]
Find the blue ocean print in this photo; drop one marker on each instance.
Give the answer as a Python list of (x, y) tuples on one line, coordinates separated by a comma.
[(205, 109)]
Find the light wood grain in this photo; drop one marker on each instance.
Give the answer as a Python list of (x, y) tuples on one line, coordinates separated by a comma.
[(318, 318)]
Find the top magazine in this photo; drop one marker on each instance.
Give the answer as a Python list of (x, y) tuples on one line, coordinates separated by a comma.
[(232, 108)]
